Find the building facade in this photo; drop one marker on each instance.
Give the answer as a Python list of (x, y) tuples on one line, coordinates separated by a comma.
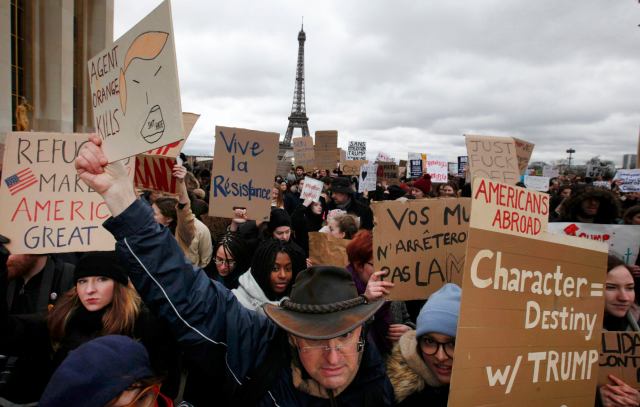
[(44, 48)]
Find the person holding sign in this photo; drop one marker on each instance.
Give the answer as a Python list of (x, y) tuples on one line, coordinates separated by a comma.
[(192, 235), (392, 319), (312, 349), (621, 314), (420, 365)]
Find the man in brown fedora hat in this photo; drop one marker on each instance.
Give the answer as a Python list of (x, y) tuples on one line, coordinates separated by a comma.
[(311, 350)]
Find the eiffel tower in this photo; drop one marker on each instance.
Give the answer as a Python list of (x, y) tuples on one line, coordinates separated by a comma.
[(298, 117)]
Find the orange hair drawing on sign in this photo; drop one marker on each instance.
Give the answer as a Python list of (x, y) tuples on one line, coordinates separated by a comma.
[(146, 46)]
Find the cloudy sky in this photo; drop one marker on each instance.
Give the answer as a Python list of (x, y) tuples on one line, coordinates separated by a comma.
[(414, 76)]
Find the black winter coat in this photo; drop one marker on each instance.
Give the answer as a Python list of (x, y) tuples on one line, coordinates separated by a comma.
[(205, 314)]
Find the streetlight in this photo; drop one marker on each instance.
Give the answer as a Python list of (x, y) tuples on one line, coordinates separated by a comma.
[(570, 151)]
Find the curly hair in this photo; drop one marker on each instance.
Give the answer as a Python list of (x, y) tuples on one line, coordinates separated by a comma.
[(608, 211), (264, 260)]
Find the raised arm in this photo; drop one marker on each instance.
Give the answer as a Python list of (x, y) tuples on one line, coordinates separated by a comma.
[(198, 309)]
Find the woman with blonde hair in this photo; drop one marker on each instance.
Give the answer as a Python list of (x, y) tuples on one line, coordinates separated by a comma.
[(101, 302)]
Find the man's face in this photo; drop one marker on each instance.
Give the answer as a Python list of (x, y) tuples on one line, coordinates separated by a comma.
[(19, 264), (299, 172), (333, 368), (340, 198)]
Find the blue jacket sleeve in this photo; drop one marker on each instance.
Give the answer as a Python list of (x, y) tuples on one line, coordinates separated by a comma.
[(197, 308)]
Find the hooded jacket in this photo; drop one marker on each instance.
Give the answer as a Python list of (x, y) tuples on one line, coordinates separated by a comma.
[(414, 384), (608, 212), (205, 316), (250, 294)]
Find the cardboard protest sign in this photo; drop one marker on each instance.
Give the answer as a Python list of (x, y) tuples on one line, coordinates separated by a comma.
[(351, 167), (536, 183), (357, 150), (421, 243), (283, 167), (438, 168), (244, 166), (597, 170), (303, 152), (328, 250), (619, 354), (153, 170), (493, 158), (415, 165), (368, 177), (134, 88), (325, 149), (550, 171), (46, 207), (462, 165), (623, 240), (510, 209), (630, 180), (388, 171), (312, 189), (531, 310), (524, 149), (155, 173)]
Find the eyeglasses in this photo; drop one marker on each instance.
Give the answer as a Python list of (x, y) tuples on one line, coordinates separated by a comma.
[(348, 344), (228, 263), (146, 398), (430, 346)]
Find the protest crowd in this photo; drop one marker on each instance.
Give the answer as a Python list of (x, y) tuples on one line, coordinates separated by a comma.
[(195, 310), (132, 275)]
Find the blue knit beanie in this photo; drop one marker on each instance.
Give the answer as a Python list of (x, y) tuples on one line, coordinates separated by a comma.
[(440, 313), (97, 372)]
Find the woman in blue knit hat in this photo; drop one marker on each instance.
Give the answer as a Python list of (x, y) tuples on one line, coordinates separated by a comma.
[(420, 364)]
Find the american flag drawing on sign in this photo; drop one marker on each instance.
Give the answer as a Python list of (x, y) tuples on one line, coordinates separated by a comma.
[(20, 180)]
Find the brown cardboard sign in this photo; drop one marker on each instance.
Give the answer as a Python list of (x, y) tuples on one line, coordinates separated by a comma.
[(620, 356), (420, 243), (388, 171), (303, 152), (524, 149), (530, 319), (327, 250), (352, 167), (134, 88), (510, 209), (494, 158), (244, 166), (326, 150), (155, 173), (46, 208)]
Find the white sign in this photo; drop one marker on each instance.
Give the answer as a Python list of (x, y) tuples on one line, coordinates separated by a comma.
[(384, 157), (368, 177), (550, 171), (630, 180), (357, 150), (312, 189), (602, 184), (536, 183), (438, 168), (623, 240)]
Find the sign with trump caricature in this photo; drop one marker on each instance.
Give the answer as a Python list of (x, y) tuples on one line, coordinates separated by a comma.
[(134, 88)]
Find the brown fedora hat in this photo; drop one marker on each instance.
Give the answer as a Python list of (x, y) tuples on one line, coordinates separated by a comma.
[(324, 304)]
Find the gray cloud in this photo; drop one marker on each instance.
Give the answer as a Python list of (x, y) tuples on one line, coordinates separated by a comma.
[(413, 76)]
